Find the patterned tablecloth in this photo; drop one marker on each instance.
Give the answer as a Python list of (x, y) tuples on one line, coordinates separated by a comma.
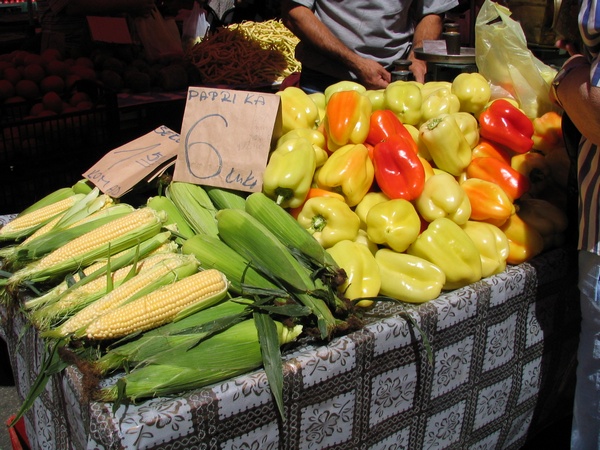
[(502, 367)]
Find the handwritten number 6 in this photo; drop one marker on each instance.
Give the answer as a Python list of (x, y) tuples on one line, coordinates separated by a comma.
[(205, 149)]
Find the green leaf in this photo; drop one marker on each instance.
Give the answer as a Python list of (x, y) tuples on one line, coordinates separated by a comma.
[(271, 356)]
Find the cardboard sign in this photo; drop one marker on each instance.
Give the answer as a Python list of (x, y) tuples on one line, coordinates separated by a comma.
[(141, 159), (226, 137)]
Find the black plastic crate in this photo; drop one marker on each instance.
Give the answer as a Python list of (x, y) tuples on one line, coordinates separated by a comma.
[(40, 155)]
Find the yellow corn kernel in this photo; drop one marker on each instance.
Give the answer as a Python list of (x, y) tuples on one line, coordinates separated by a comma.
[(160, 306), (39, 216), (42, 230), (125, 291), (97, 237)]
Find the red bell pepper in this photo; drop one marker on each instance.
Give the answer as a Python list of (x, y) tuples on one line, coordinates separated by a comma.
[(383, 124), (487, 148), (506, 124), (497, 171), (399, 171)]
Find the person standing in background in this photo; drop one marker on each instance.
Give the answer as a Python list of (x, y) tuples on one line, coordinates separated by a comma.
[(576, 88), (359, 40), (64, 25)]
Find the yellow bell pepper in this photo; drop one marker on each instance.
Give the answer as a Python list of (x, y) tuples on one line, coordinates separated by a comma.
[(446, 144), (394, 223), (345, 85), (314, 136), (404, 99), (473, 91), (377, 97), (525, 242), (363, 239), (443, 196), (329, 220), (319, 99), (409, 278), (445, 244), (489, 202), (469, 126), (430, 86), (368, 201), (535, 167), (298, 110), (547, 131), (362, 272), (548, 219), (289, 172), (347, 119), (440, 101), (348, 171), (492, 244)]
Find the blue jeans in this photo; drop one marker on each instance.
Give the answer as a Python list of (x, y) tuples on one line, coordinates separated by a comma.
[(586, 411)]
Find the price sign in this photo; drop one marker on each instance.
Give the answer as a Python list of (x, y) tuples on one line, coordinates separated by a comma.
[(122, 168), (226, 137)]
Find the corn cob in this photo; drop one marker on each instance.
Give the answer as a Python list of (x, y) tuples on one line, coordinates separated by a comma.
[(195, 205), (76, 299), (286, 228), (226, 198), (233, 352), (111, 238), (32, 249), (174, 216), (247, 236), (200, 290), (201, 324), (164, 272), (49, 199), (26, 224), (157, 243), (215, 254)]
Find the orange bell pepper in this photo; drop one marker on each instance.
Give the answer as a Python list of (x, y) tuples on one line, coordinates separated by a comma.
[(515, 184), (535, 167), (547, 131), (347, 119), (487, 148), (489, 202), (524, 241)]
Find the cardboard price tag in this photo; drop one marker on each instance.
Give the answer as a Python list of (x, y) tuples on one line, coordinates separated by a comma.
[(141, 159), (226, 137)]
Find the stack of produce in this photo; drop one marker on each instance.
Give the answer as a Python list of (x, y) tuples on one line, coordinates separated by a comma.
[(420, 188), (395, 194)]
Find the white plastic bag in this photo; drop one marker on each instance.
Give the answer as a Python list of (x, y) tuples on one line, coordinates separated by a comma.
[(159, 37), (195, 26), (502, 57)]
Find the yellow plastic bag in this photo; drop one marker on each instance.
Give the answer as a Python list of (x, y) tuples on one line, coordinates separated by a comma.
[(502, 57)]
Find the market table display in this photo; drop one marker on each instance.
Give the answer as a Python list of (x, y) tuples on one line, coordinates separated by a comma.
[(502, 358)]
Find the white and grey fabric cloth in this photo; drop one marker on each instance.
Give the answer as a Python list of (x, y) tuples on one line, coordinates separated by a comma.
[(502, 360)]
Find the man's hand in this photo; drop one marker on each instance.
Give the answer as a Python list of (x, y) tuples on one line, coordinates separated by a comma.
[(371, 74), (418, 68)]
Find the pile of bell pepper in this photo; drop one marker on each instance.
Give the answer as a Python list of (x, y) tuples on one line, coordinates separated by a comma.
[(419, 188)]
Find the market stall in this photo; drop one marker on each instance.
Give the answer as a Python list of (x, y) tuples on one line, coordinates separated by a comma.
[(502, 362)]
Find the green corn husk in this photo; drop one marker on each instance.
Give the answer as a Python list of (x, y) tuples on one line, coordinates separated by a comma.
[(186, 366), (41, 270), (286, 228), (195, 205), (203, 323), (49, 199), (34, 249), (226, 198), (214, 253), (105, 265), (247, 236), (37, 218), (174, 216)]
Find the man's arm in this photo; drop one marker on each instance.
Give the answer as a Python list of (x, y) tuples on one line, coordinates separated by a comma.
[(429, 27), (304, 24)]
